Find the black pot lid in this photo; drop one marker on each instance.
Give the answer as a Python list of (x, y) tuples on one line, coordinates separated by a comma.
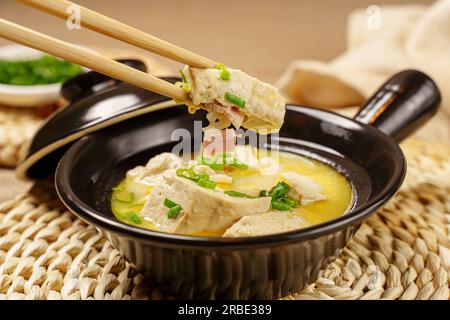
[(95, 102)]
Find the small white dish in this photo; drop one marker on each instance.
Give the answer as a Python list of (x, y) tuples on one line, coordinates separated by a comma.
[(26, 96)]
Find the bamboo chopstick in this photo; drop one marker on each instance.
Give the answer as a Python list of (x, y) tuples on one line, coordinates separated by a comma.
[(89, 59), (118, 30)]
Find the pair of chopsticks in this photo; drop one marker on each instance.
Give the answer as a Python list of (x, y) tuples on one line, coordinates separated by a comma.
[(97, 62)]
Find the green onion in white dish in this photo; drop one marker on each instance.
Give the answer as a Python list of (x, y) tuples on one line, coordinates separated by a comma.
[(45, 70), (29, 78)]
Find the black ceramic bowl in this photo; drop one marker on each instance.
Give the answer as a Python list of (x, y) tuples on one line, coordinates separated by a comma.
[(260, 267)]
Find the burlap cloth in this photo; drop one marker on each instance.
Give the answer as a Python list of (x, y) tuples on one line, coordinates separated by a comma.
[(381, 41)]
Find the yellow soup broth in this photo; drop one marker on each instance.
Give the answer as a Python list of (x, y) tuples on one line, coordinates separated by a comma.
[(128, 198)]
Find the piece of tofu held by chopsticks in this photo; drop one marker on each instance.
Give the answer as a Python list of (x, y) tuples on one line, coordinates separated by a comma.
[(232, 97)]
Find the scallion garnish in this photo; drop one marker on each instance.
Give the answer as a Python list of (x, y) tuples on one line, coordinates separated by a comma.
[(183, 83), (169, 203), (183, 77), (239, 164), (238, 194), (278, 205), (202, 179), (206, 183), (264, 193), (280, 199), (291, 202), (279, 191), (134, 217), (235, 100), (41, 71), (224, 73), (174, 212), (220, 160), (210, 162), (187, 173), (174, 208)]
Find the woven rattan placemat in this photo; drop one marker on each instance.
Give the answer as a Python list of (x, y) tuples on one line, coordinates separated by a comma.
[(402, 252), (17, 125)]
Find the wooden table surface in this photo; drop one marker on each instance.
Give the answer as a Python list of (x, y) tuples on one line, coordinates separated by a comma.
[(259, 36)]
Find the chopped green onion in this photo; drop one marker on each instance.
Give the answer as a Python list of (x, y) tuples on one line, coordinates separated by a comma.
[(291, 202), (45, 70), (239, 164), (229, 160), (204, 160), (225, 75), (203, 176), (174, 208), (264, 193), (279, 191), (183, 77), (208, 161), (224, 72), (183, 83), (235, 100), (237, 194), (220, 160), (134, 217), (202, 179), (169, 203), (217, 166), (225, 158), (174, 212), (187, 173), (206, 183), (211, 162), (280, 199), (280, 206)]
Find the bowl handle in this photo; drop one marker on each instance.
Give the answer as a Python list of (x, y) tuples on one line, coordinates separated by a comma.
[(402, 104), (85, 83)]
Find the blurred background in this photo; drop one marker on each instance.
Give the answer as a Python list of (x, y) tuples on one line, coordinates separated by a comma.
[(260, 36)]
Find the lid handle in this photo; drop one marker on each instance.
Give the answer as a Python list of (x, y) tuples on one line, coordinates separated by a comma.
[(90, 82)]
